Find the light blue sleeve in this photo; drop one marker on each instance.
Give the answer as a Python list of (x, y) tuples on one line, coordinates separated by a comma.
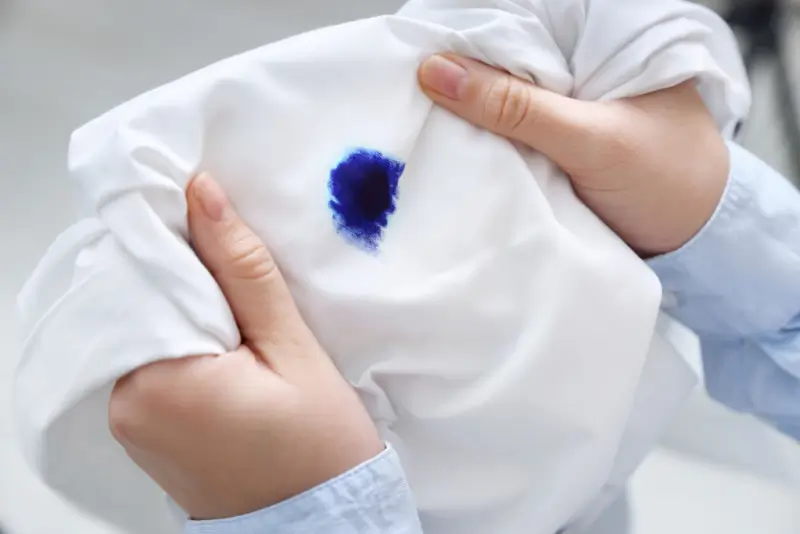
[(737, 285), (373, 498)]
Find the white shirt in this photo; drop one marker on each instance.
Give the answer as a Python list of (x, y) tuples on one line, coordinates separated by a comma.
[(503, 339)]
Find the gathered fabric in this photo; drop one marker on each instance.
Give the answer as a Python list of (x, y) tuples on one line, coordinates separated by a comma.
[(507, 344)]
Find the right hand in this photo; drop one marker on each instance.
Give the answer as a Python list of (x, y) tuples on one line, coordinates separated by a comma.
[(653, 167), (229, 434)]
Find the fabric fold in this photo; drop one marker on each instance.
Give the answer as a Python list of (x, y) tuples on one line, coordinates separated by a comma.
[(502, 337)]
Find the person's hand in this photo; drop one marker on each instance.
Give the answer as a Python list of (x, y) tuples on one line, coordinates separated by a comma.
[(652, 167), (228, 434)]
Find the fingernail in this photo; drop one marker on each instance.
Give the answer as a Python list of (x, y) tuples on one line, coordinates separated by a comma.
[(211, 197), (442, 75)]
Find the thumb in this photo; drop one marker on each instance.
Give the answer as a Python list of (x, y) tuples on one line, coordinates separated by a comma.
[(555, 125), (242, 266)]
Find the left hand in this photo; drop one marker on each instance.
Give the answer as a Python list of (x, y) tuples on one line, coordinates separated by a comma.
[(229, 434)]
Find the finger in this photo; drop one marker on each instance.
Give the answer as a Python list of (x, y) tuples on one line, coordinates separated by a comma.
[(508, 106), (242, 266)]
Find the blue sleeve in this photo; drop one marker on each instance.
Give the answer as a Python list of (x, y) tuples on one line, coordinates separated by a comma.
[(373, 498), (737, 285)]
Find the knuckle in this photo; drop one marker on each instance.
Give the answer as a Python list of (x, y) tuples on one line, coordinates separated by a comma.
[(126, 411), (166, 392), (250, 258), (136, 397), (507, 105)]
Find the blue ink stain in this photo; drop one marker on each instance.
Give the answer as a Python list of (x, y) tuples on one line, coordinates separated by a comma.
[(363, 189)]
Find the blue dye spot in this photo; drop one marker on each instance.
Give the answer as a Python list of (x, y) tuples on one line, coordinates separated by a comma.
[(363, 189)]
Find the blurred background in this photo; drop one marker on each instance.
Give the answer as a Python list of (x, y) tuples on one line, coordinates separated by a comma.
[(63, 63)]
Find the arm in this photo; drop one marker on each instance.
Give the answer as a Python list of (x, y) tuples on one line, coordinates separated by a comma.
[(737, 284)]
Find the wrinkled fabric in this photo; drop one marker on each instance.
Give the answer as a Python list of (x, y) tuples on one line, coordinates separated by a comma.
[(716, 290), (503, 339)]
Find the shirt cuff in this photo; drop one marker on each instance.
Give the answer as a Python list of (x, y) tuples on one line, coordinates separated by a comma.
[(740, 275), (373, 498)]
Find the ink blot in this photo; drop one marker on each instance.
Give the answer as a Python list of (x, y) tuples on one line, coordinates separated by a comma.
[(363, 191)]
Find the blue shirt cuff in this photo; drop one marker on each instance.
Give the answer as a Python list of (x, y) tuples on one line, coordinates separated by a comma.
[(737, 284), (373, 498), (738, 277)]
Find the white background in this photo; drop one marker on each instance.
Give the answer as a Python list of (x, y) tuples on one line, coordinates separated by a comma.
[(64, 62)]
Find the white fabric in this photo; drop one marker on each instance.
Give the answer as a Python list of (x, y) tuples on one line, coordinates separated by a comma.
[(502, 337)]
